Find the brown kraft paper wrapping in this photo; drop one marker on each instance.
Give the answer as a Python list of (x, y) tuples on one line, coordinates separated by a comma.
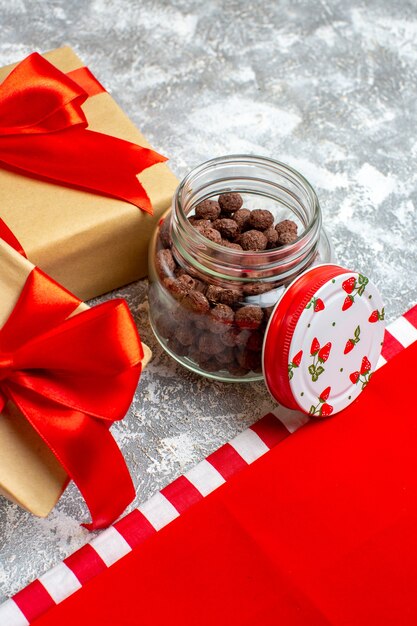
[(30, 475), (89, 243)]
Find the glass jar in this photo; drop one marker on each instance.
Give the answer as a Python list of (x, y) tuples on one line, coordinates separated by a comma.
[(191, 275)]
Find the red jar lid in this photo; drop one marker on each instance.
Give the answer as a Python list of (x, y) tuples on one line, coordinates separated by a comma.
[(323, 340)]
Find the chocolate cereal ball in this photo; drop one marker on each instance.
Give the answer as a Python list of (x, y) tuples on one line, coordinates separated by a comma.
[(176, 287), (221, 318), (207, 210), (165, 264), (272, 238), (226, 227), (249, 360), (261, 219), (213, 293), (200, 322), (180, 315), (287, 232), (233, 246), (241, 337), (255, 341), (212, 234), (228, 338), (178, 348), (209, 344), (218, 295), (188, 281), (249, 316), (185, 335), (201, 225), (253, 240), (230, 202), (196, 301), (225, 357), (166, 326), (230, 297), (255, 289), (241, 218)]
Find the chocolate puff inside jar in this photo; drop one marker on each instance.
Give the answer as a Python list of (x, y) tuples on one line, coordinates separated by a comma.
[(241, 229)]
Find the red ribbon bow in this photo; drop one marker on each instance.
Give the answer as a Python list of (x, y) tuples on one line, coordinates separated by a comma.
[(43, 133), (71, 377)]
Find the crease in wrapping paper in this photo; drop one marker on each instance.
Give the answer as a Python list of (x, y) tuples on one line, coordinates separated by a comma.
[(320, 531), (30, 475), (89, 243)]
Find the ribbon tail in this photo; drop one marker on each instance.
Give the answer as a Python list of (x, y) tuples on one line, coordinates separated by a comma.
[(117, 489), (82, 159), (86, 450)]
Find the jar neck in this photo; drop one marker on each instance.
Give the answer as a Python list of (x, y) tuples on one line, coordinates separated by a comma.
[(280, 186)]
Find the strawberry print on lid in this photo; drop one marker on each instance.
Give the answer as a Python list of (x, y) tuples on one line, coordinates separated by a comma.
[(320, 356), (317, 304), (294, 363), (377, 316), (322, 409), (353, 286), (342, 341), (363, 376), (351, 343), (331, 338)]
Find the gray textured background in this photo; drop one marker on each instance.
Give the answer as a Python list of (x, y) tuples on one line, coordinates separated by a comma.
[(328, 87)]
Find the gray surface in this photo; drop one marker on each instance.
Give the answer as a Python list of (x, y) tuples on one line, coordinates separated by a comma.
[(329, 87)]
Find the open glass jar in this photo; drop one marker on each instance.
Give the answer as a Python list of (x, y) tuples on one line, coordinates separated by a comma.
[(191, 275)]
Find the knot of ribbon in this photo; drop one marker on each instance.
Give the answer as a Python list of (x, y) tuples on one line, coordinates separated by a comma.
[(44, 134), (71, 376)]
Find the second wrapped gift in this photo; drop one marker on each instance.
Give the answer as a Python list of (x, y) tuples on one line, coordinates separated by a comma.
[(66, 373)]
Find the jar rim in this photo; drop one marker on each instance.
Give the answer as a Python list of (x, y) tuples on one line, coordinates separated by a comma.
[(248, 258)]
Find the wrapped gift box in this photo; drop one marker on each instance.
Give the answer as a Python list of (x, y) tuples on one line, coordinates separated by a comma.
[(87, 242), (30, 475)]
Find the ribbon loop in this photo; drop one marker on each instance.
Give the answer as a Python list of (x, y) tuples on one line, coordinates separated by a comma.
[(43, 133), (38, 98)]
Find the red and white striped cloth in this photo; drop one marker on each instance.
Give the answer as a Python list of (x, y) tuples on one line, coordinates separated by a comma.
[(114, 543)]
